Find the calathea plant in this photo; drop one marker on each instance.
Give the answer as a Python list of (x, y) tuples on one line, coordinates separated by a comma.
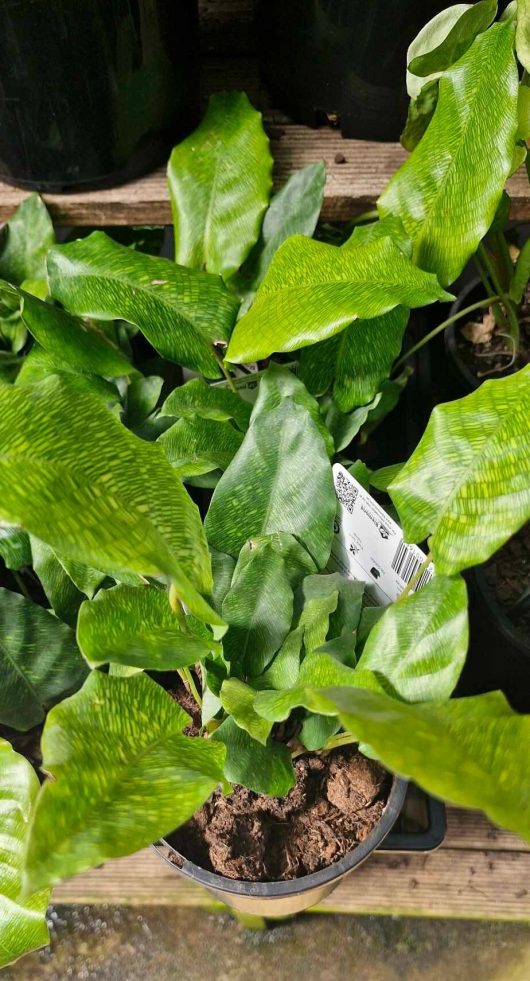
[(117, 594)]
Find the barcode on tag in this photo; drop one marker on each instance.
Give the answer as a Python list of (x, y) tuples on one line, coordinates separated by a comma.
[(407, 562), (369, 546)]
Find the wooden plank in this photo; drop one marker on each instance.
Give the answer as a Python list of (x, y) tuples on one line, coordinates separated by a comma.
[(447, 883), (472, 830)]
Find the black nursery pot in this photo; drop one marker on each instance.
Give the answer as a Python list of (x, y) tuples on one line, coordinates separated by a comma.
[(499, 657), (294, 895), (341, 60), (94, 92)]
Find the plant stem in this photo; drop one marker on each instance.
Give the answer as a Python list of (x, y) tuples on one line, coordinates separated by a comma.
[(416, 578), (513, 323), (175, 604), (441, 327), (504, 256), (220, 361), (21, 585), (500, 319), (187, 678)]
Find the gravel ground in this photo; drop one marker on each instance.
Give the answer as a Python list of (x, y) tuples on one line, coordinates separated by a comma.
[(170, 944)]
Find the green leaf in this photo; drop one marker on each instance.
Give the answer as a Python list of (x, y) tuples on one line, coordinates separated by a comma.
[(467, 484), (473, 752), (197, 446), (72, 475), (68, 339), (448, 36), (388, 227), (63, 595), (182, 312), (421, 110), (136, 626), (313, 291), (381, 479), (86, 579), (197, 398), (258, 608), (279, 480), (223, 569), (121, 775), (293, 211), (142, 397), (320, 599), (317, 671), (277, 383), (448, 190), (263, 769), (354, 363), (39, 661), (219, 184), (39, 365), (316, 730), (237, 700), (29, 237), (522, 33), (418, 647), (22, 918), (14, 548), (283, 671)]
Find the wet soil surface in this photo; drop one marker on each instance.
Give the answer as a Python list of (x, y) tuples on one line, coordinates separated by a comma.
[(508, 573), (170, 944), (337, 801)]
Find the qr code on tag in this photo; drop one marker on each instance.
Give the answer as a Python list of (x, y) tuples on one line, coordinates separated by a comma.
[(346, 492)]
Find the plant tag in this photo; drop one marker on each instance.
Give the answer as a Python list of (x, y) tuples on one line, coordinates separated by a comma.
[(368, 544)]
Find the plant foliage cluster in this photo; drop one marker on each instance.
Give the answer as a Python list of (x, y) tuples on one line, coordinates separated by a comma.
[(116, 584)]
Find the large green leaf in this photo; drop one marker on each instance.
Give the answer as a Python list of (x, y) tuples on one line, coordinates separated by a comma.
[(197, 446), (279, 382), (182, 312), (354, 363), (29, 237), (263, 769), (136, 626), (448, 190), (467, 483), (22, 918), (219, 184), (197, 398), (74, 477), (522, 33), (293, 211), (418, 647), (121, 775), (39, 365), (446, 38), (80, 344), (39, 661), (313, 291), (258, 608), (474, 752), (279, 481)]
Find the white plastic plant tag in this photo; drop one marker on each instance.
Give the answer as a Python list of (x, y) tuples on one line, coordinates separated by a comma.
[(368, 545)]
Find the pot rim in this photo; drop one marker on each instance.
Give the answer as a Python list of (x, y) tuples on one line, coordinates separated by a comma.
[(450, 334), (293, 887)]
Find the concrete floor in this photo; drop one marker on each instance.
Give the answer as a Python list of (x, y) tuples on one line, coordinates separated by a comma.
[(169, 944)]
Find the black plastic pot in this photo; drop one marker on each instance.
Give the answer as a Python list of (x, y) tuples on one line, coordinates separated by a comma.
[(94, 92), (499, 657), (294, 896), (341, 60)]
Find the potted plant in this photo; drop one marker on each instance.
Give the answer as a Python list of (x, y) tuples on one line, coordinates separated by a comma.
[(94, 94), (167, 659), (341, 61)]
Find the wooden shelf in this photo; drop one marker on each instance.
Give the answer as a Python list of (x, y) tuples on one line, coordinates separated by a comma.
[(480, 872), (357, 170)]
